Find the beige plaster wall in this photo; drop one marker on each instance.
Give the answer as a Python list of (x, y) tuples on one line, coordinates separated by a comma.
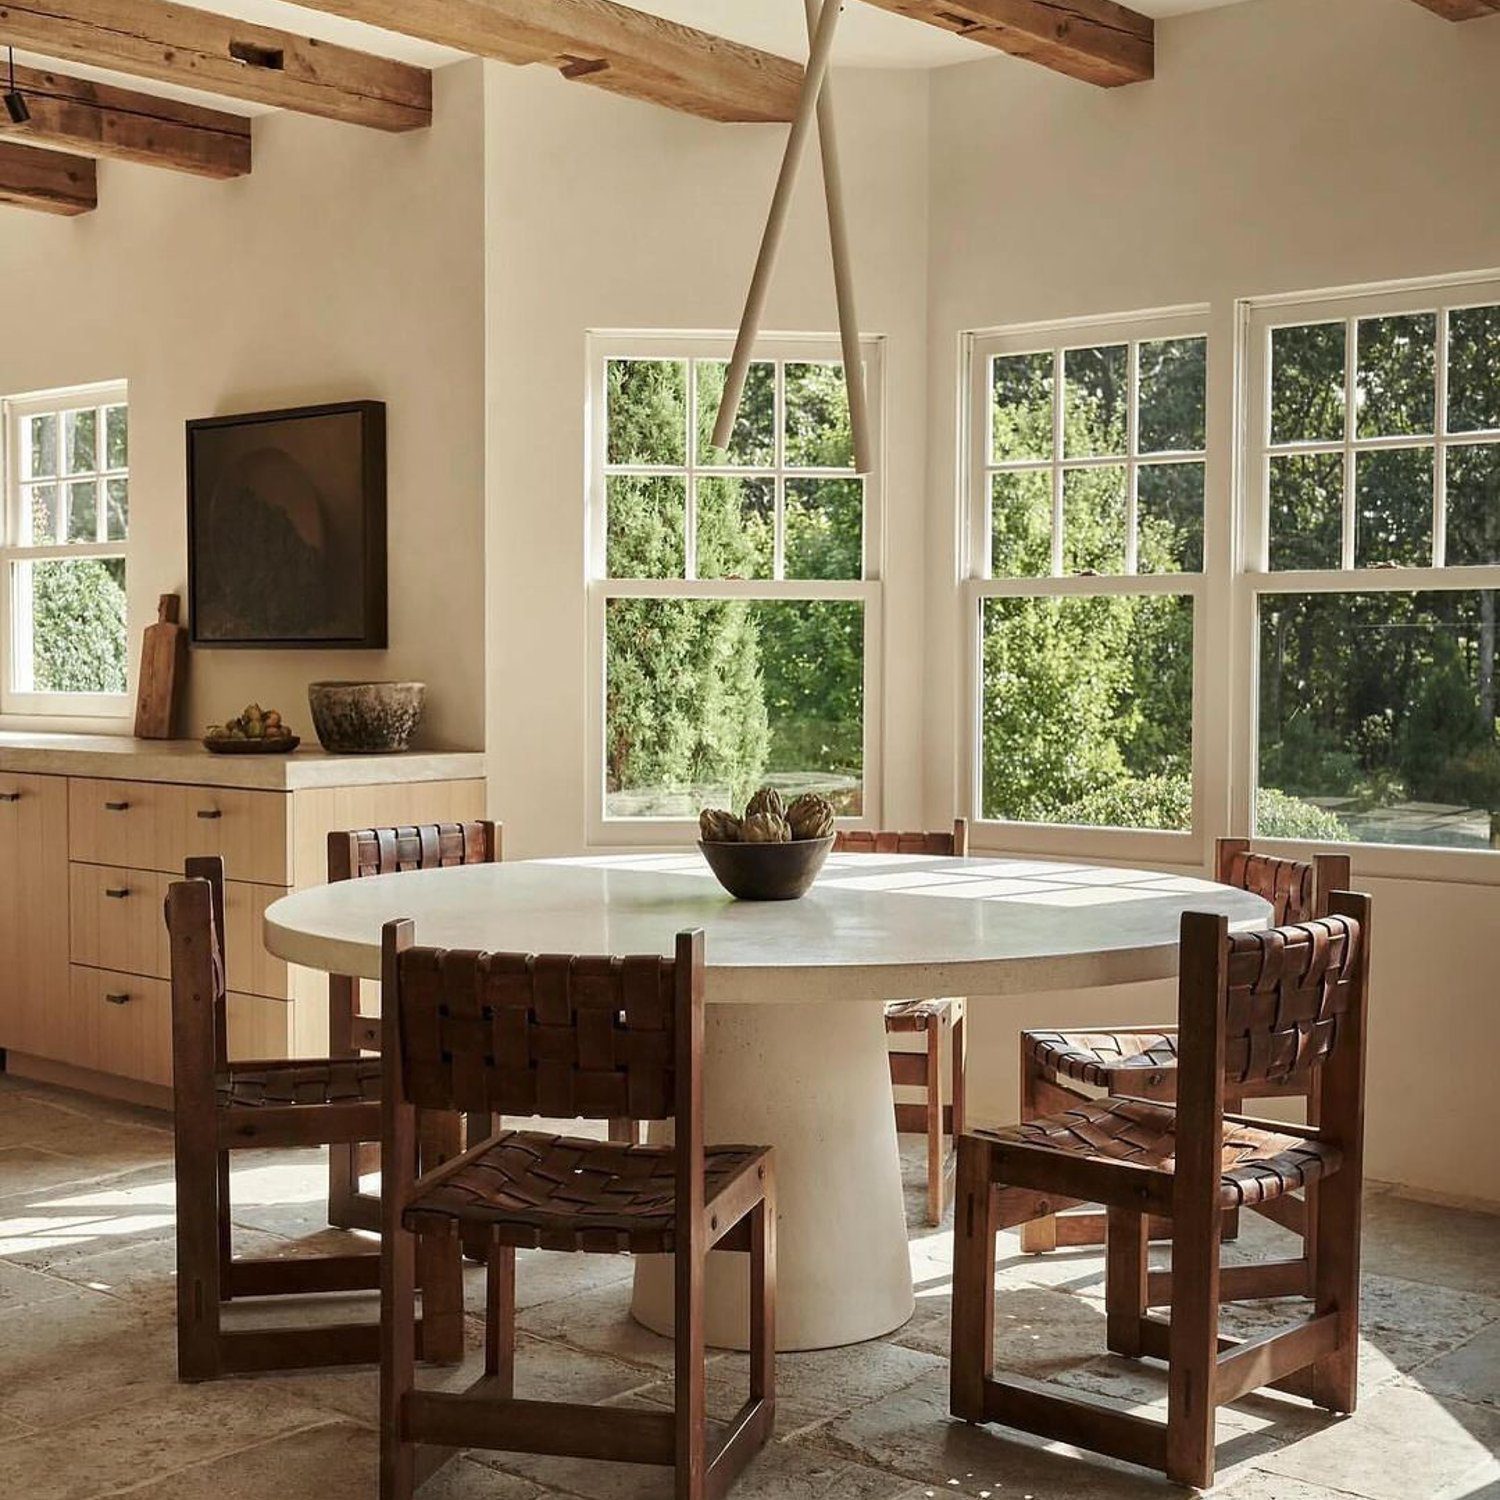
[(1283, 146), (349, 264)]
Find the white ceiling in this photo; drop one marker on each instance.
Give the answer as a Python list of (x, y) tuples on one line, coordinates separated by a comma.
[(868, 37)]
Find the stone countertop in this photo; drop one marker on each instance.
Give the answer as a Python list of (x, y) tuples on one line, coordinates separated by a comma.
[(121, 757)]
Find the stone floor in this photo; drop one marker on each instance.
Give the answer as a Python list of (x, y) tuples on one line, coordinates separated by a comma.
[(89, 1406)]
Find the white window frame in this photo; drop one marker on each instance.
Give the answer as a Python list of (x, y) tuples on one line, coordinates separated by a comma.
[(977, 349), (1256, 318), (604, 832), (14, 629)]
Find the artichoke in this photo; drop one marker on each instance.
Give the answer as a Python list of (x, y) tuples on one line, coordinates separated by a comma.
[(810, 817), (715, 826), (765, 828), (766, 800)]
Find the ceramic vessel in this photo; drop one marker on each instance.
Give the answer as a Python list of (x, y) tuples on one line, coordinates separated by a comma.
[(767, 872), (366, 718)]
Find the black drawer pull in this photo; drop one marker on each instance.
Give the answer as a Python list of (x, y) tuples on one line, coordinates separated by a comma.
[(117, 892), (10, 796), (117, 999), (209, 812), (116, 806)]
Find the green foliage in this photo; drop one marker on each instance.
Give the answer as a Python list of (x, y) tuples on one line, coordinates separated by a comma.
[(1279, 816), (78, 626)]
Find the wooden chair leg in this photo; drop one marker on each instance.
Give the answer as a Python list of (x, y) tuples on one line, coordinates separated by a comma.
[(200, 1263), (1334, 1379), (690, 1415), (960, 1045), (1193, 1349), (398, 1333), (440, 1256), (763, 1300), (934, 1119), (624, 1132), (1040, 1235), (225, 1221), (500, 1317), (972, 1340), (1125, 1269)]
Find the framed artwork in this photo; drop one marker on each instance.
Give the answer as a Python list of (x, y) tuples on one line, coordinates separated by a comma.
[(286, 527)]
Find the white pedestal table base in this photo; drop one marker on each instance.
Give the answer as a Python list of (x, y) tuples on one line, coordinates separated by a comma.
[(813, 1081)]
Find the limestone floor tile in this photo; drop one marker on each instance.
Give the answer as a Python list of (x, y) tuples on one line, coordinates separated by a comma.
[(132, 1442), (42, 1224), (1424, 1242), (1037, 1329), (90, 1353), (335, 1461), (1471, 1371), (1257, 1484), (547, 1275), (781, 1471), (911, 1434), (21, 1287), (828, 1382), (1403, 1443), (599, 1320)]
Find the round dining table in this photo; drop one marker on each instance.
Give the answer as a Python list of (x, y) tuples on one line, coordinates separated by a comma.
[(794, 1049)]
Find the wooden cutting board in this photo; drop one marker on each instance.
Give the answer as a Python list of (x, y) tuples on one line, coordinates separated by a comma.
[(163, 668)]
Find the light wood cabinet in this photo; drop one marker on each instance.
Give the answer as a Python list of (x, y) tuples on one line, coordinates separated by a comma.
[(85, 862), (34, 1008)]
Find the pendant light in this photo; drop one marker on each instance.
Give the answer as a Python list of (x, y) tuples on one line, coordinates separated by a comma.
[(15, 101)]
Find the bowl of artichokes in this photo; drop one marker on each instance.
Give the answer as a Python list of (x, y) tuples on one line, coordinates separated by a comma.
[(773, 852)]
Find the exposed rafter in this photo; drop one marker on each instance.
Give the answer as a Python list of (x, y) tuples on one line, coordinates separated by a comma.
[(1094, 40), (50, 181), (601, 43), (98, 119), (1462, 10), (194, 48)]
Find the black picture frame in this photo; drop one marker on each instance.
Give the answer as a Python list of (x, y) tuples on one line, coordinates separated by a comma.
[(286, 519)]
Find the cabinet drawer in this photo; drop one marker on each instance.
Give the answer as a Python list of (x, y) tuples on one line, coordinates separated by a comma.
[(123, 1024), (248, 829), (122, 823), (115, 920), (156, 826), (117, 923)]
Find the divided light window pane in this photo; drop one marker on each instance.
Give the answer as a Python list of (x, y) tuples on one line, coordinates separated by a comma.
[(1473, 362), (1396, 381), (1378, 716), (1307, 383), (1086, 715), (1117, 463), (77, 619), (708, 699)]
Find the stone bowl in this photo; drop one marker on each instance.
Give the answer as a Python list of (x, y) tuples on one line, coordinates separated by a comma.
[(767, 872), (366, 718)]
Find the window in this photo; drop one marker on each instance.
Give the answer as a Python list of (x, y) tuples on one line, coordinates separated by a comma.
[(62, 565), (1374, 544), (733, 593), (1087, 477)]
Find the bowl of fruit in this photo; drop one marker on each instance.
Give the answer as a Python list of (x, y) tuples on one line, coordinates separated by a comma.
[(773, 852), (257, 731)]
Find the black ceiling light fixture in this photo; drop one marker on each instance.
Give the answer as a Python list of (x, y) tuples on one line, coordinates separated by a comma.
[(15, 101)]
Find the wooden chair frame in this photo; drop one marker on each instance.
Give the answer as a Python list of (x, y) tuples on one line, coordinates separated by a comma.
[(923, 1070), (488, 1415), (353, 855), (1004, 1183), (1042, 1095), (206, 1132)]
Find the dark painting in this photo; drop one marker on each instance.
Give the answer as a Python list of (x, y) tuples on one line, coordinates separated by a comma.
[(286, 527)]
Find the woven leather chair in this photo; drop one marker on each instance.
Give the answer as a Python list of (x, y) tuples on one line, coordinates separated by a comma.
[(567, 1037), (353, 856), (929, 1018), (1254, 1010), (220, 1107), (1141, 1062)]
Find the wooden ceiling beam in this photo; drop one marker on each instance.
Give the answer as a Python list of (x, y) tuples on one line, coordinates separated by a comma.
[(1097, 41), (50, 181), (601, 43), (97, 119), (196, 49), (1462, 10)]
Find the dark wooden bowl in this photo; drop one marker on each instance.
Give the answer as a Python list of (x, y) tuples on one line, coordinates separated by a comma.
[(767, 872), (282, 744)]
